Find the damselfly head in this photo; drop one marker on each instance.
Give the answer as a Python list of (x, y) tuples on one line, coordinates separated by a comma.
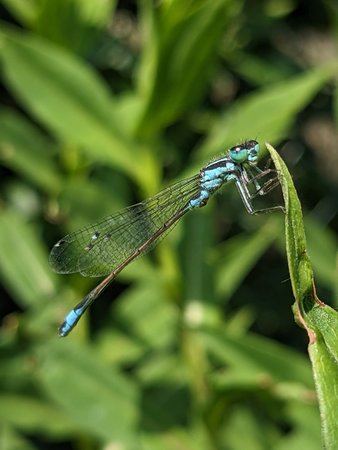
[(245, 153)]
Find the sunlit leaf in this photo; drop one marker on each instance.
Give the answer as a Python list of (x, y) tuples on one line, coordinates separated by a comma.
[(24, 261), (68, 97), (25, 149), (267, 113), (320, 321), (97, 397)]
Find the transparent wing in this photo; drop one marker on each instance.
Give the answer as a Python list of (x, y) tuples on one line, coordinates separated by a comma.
[(96, 249)]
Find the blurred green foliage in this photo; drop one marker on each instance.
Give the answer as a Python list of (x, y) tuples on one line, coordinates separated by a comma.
[(103, 105)]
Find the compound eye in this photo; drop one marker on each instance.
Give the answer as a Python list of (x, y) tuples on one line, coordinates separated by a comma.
[(236, 148), (253, 150), (238, 154), (251, 144)]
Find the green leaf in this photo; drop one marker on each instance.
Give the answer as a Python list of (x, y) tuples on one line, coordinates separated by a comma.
[(86, 17), (24, 261), (322, 247), (238, 255), (26, 150), (159, 317), (71, 100), (100, 400), (178, 439), (320, 321), (305, 431), (259, 433), (10, 440), (182, 41), (254, 355), (31, 415), (25, 11), (266, 113)]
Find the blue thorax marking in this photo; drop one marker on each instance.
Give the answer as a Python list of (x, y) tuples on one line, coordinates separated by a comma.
[(219, 169), (213, 176)]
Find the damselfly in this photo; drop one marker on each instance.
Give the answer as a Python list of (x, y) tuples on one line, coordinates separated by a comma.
[(109, 245)]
